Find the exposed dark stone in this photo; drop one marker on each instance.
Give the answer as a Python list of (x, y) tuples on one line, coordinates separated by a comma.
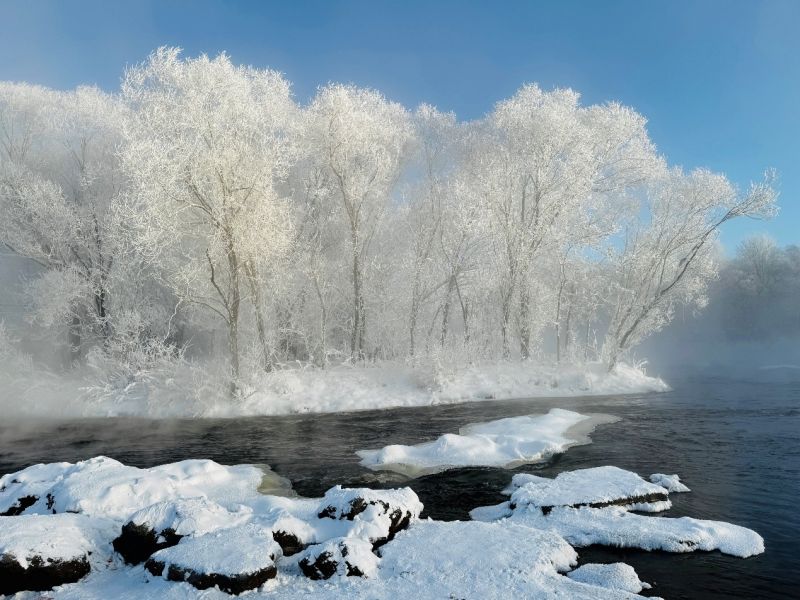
[(137, 543), (399, 519), (51, 501), (20, 506), (324, 564), (289, 543), (323, 567), (40, 574), (646, 499), (231, 584)]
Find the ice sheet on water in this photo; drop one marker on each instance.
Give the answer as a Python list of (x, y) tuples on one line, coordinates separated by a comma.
[(501, 443)]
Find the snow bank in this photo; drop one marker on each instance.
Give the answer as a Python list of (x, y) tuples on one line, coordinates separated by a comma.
[(502, 443), (313, 390), (591, 506), (527, 380)]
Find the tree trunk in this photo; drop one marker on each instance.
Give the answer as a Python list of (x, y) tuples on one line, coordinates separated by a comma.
[(233, 317), (524, 323), (74, 335), (413, 315), (357, 333), (446, 310), (506, 323), (252, 278)]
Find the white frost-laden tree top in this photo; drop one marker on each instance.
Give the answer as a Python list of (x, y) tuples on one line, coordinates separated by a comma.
[(202, 213)]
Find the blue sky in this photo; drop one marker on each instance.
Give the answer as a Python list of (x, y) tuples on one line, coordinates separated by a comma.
[(719, 80)]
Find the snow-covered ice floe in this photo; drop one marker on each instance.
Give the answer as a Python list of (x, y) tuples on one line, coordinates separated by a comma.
[(592, 506), (503, 443)]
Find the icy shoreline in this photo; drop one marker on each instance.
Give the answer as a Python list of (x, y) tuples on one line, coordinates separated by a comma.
[(336, 389), (101, 529)]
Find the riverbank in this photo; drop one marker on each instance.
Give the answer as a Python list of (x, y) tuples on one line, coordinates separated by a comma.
[(192, 391)]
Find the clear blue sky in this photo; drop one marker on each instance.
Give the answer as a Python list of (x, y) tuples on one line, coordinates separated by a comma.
[(719, 80)]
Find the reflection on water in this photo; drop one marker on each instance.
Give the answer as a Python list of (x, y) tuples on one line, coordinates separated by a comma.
[(736, 444)]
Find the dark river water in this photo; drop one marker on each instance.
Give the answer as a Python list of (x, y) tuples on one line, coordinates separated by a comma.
[(735, 443)]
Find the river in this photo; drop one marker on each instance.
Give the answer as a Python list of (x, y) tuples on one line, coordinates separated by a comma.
[(735, 443)]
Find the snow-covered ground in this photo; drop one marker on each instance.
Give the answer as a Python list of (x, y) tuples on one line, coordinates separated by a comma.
[(502, 443), (194, 392), (198, 529)]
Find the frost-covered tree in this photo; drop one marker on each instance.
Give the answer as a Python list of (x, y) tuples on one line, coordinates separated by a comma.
[(59, 184), (436, 135), (358, 138), (205, 144), (545, 163), (666, 258)]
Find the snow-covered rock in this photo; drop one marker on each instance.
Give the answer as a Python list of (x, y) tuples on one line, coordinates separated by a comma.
[(351, 557), (591, 506), (236, 559), (38, 552), (212, 528), (291, 533), (481, 560), (615, 576), (595, 487), (670, 482), (163, 524), (105, 487), (501, 443), (377, 515)]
